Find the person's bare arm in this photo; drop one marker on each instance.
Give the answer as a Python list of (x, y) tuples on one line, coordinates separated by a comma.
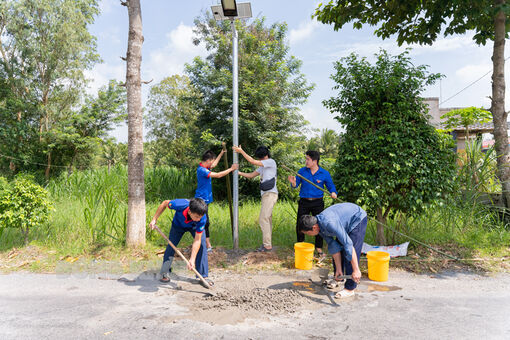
[(249, 175), (250, 159), (217, 160), (158, 213), (195, 247), (220, 174), (356, 273)]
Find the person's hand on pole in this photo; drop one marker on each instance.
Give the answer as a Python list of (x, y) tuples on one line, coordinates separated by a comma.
[(152, 225), (292, 180), (237, 149), (191, 265), (333, 195), (235, 166)]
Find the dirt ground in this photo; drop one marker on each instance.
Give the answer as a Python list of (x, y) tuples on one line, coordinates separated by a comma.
[(251, 304)]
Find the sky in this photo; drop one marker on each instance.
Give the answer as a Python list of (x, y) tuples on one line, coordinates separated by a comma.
[(168, 32)]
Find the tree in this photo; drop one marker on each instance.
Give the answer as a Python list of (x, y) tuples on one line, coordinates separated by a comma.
[(465, 117), (44, 47), (113, 153), (78, 135), (326, 142), (135, 230), (271, 86), (475, 169), (23, 204), (170, 121), (422, 22), (390, 159), (17, 136)]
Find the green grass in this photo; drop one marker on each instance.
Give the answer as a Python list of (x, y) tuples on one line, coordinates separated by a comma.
[(250, 236), (68, 231), (91, 206)]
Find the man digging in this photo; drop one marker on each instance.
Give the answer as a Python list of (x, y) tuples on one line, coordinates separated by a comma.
[(343, 226), (190, 216)]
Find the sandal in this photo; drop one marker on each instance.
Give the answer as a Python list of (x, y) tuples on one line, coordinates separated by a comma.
[(209, 281), (344, 293), (164, 279), (209, 249), (263, 249), (320, 256)]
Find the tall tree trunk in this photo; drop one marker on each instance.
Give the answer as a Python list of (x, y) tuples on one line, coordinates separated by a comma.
[(135, 232), (381, 222), (12, 165), (48, 167), (499, 114)]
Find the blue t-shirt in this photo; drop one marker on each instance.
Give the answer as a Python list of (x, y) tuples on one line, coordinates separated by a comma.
[(338, 221), (204, 184), (181, 218), (320, 178)]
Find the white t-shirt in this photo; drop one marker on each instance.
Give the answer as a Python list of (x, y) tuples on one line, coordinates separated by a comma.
[(268, 171)]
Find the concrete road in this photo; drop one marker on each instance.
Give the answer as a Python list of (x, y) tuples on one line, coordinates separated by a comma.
[(84, 306)]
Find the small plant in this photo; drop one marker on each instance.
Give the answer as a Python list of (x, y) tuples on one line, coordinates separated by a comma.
[(24, 204)]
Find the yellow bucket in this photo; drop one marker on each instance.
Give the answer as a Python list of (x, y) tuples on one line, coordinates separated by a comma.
[(378, 265), (304, 255)]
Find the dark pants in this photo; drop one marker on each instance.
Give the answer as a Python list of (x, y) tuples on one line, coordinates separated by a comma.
[(306, 207), (357, 236), (175, 235), (207, 226)]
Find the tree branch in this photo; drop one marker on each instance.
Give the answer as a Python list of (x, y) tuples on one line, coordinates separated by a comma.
[(147, 82), (123, 58), (124, 3)]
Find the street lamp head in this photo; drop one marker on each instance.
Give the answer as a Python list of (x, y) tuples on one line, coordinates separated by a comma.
[(229, 8)]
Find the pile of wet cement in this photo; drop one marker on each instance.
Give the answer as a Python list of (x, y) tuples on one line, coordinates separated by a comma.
[(270, 301)]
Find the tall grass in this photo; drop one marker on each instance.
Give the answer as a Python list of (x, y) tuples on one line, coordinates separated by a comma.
[(91, 207), (250, 235)]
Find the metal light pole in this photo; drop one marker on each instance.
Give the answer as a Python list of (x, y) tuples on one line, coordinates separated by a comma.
[(230, 10), (235, 137)]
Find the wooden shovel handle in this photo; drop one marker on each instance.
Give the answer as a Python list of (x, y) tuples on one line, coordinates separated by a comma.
[(182, 256)]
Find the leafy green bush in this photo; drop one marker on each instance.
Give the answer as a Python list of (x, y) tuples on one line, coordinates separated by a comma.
[(23, 204), (390, 159)]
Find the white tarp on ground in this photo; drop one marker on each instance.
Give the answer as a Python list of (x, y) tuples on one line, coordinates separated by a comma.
[(394, 251)]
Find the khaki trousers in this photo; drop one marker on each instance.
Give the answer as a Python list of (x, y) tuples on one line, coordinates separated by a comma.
[(266, 217)]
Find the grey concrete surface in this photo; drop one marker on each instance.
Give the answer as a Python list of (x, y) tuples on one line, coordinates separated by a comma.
[(85, 306)]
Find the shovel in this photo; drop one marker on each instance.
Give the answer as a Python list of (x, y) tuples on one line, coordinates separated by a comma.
[(206, 284)]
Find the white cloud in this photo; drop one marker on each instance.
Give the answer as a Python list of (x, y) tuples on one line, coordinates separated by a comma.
[(320, 118), (106, 6), (111, 36), (102, 73), (304, 31), (473, 72), (170, 59), (369, 47), (446, 44)]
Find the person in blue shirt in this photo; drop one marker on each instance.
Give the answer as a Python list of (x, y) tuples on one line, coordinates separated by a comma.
[(343, 226), (204, 183), (189, 217), (311, 199)]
